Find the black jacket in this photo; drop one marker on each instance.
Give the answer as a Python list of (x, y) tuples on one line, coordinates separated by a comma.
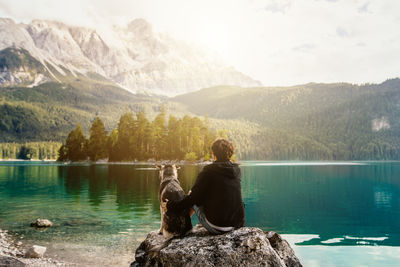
[(217, 190)]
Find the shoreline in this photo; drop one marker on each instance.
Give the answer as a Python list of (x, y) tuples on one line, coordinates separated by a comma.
[(12, 253), (100, 162), (30, 160)]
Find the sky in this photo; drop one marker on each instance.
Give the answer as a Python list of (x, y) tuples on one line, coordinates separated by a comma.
[(278, 42)]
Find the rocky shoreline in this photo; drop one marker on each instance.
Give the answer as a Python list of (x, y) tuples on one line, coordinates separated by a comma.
[(15, 253)]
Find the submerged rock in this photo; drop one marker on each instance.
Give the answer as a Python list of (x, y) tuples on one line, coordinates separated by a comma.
[(41, 223), (246, 246), (10, 261), (35, 252)]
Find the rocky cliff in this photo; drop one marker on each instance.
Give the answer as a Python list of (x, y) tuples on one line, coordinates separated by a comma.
[(243, 247), (136, 57)]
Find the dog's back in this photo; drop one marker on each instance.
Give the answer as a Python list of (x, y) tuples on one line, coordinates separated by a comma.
[(173, 224)]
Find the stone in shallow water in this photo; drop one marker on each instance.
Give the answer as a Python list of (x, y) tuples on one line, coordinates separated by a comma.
[(243, 247), (40, 223), (6, 261), (35, 252)]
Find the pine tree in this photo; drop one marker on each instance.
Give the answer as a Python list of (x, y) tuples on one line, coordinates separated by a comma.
[(126, 130), (25, 153), (112, 146), (62, 153), (159, 126), (173, 138), (141, 138), (76, 145), (97, 146)]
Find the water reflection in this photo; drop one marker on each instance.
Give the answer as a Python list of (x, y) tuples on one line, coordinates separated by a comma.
[(331, 202), (135, 187)]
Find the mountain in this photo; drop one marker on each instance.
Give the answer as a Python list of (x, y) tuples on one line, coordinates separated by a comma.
[(38, 103), (54, 76), (134, 57), (311, 121), (18, 67), (306, 122)]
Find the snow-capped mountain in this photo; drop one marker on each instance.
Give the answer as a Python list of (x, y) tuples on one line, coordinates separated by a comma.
[(135, 56)]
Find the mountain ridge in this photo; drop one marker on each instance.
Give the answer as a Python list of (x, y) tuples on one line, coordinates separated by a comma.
[(326, 121), (306, 122), (134, 57)]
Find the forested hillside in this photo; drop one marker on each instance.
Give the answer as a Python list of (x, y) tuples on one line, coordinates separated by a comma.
[(312, 121), (49, 111)]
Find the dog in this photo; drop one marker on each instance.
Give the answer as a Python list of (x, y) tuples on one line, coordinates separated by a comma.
[(172, 225)]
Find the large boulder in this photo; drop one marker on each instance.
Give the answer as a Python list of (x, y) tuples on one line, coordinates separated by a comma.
[(35, 252), (41, 223), (246, 246)]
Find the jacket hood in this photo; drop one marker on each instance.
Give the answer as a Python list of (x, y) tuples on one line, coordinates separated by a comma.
[(225, 168)]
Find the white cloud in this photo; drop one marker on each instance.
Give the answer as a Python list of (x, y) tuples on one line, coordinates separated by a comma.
[(342, 32), (305, 48), (278, 42), (276, 6), (364, 8)]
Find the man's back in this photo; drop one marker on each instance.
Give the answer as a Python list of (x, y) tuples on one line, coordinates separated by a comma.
[(222, 200)]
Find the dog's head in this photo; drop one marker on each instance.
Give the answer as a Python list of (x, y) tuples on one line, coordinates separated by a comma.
[(168, 171)]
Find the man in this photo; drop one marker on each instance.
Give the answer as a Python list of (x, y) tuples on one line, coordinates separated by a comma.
[(216, 195)]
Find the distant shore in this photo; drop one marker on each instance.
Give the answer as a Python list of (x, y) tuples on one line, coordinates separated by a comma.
[(33, 160), (149, 162)]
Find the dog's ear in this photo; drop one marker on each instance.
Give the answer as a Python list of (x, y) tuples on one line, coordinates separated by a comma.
[(160, 167), (178, 167)]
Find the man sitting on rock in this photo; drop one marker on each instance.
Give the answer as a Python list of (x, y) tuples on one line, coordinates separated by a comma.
[(216, 196)]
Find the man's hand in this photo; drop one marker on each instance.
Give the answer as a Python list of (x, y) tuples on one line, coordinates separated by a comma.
[(164, 205)]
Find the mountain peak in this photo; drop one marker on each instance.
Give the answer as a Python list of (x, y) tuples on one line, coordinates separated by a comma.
[(5, 21), (48, 24), (135, 57), (140, 26)]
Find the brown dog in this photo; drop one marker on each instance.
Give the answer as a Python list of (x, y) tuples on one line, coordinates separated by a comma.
[(172, 224)]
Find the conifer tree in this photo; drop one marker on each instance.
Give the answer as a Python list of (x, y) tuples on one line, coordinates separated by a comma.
[(159, 126), (62, 153), (25, 153), (76, 145), (126, 130), (112, 146), (141, 138), (97, 146)]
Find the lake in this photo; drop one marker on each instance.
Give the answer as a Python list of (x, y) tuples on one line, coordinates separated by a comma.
[(332, 213)]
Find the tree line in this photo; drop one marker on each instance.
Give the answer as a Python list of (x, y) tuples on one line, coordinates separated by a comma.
[(137, 138), (30, 150)]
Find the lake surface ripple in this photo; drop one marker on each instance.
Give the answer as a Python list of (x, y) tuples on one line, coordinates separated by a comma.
[(333, 213)]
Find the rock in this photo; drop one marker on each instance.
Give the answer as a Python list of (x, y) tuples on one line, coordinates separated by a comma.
[(10, 261), (246, 246), (40, 223), (35, 252)]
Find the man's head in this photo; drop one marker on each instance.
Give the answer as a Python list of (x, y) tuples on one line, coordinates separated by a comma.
[(222, 149)]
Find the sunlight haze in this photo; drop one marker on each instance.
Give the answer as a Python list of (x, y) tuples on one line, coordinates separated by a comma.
[(277, 42)]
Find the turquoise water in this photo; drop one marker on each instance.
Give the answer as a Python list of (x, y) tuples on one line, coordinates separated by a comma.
[(333, 213)]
